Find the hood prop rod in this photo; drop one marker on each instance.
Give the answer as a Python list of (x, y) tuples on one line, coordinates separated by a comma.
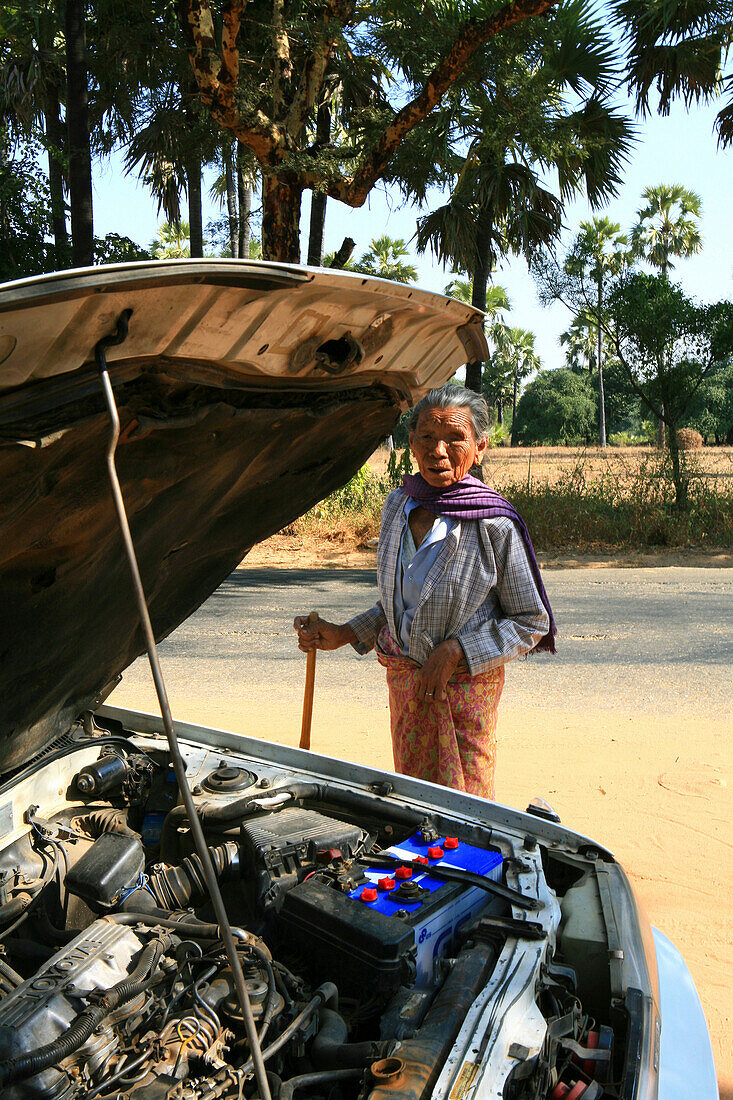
[(178, 765)]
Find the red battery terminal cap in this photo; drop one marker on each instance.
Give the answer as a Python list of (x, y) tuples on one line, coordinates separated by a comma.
[(421, 859), (450, 842), (435, 853), (403, 872), (573, 1091), (368, 894), (386, 883)]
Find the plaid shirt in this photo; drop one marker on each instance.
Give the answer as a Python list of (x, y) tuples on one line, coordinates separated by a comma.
[(480, 590)]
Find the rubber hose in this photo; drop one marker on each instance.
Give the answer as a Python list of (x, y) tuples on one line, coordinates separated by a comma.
[(324, 995), (28, 1065), (330, 1050), (161, 918), (15, 907), (223, 815), (289, 1087), (271, 996), (103, 820)]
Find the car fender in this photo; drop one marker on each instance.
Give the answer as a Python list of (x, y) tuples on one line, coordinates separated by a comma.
[(686, 1064)]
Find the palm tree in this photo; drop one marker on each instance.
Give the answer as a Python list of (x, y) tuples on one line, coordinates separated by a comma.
[(678, 51), (351, 85), (599, 250), (33, 78), (234, 186), (667, 226), (522, 119), (79, 143), (384, 258), (580, 341), (493, 381), (173, 242), (500, 207), (516, 358)]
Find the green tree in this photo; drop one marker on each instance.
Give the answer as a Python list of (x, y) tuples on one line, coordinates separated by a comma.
[(668, 345), (599, 251), (385, 259), (557, 407), (678, 49), (711, 408), (172, 242), (31, 90), (24, 213), (115, 249), (264, 88), (513, 360), (667, 226), (532, 117)]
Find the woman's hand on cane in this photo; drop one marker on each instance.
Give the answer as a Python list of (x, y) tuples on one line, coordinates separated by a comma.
[(321, 634), (432, 678)]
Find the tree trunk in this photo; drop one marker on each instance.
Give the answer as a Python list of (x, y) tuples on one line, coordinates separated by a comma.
[(661, 433), (514, 403), (231, 202), (319, 201), (499, 413), (317, 228), (55, 144), (195, 215), (342, 253), (244, 196), (77, 121), (281, 200), (478, 296), (602, 396), (679, 477)]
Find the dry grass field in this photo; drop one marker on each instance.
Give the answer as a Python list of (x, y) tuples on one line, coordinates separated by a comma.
[(505, 466), (576, 501)]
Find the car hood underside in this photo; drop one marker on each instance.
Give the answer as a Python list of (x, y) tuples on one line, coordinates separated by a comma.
[(242, 404)]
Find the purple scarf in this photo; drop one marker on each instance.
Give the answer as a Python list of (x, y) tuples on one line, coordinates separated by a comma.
[(471, 499)]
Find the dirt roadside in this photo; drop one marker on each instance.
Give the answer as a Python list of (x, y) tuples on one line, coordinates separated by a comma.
[(292, 550)]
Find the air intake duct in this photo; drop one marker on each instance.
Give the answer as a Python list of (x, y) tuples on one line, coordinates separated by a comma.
[(174, 887)]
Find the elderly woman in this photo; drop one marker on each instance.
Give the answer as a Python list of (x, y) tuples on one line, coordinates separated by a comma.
[(460, 595)]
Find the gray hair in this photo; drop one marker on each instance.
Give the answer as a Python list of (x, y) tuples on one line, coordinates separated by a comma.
[(456, 397)]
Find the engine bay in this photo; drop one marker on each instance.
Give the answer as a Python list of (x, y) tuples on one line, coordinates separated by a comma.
[(389, 950)]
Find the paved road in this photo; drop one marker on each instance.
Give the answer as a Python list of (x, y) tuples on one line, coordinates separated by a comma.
[(626, 731), (658, 638)]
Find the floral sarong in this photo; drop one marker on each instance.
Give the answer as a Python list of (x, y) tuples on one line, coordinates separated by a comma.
[(452, 742)]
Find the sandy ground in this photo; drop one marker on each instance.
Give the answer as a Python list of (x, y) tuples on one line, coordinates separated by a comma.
[(639, 760)]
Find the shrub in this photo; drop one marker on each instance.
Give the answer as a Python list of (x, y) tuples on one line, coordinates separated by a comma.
[(630, 506), (499, 436), (688, 439), (558, 407), (626, 439)]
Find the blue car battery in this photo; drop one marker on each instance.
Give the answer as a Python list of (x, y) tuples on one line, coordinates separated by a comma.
[(389, 930), (434, 908)]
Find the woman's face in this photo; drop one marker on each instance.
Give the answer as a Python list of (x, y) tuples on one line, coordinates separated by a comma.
[(444, 446)]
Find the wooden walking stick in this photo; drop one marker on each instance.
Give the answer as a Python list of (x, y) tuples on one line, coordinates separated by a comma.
[(310, 679)]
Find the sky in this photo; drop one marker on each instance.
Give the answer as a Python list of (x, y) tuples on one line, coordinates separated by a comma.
[(681, 148)]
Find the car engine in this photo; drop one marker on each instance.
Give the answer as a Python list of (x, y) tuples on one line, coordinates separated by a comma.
[(389, 952)]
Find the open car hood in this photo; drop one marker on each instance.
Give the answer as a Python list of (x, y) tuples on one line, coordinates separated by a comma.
[(247, 392)]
